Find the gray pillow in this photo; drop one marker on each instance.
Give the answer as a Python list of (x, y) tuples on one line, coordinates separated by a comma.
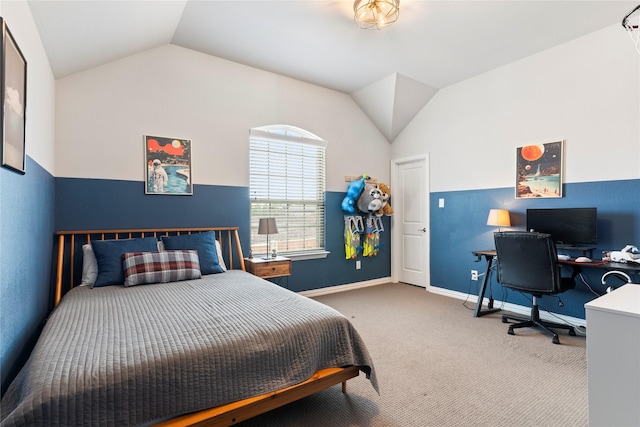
[(89, 265)]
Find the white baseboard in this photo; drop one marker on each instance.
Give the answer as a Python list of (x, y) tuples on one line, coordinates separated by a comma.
[(343, 288), (513, 308)]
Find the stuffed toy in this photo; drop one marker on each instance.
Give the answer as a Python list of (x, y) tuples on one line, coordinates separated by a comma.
[(371, 199), (386, 195), (353, 192)]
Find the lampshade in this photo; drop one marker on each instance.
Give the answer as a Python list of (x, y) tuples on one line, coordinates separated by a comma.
[(267, 226), (376, 14), (499, 218)]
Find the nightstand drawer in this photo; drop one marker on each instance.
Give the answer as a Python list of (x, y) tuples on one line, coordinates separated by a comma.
[(269, 268)]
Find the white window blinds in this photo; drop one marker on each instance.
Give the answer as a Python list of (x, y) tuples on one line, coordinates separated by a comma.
[(287, 182)]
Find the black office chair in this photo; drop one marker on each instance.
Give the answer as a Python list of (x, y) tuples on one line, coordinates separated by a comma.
[(528, 262)]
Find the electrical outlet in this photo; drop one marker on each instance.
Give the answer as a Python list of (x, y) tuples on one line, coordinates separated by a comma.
[(358, 265), (474, 274)]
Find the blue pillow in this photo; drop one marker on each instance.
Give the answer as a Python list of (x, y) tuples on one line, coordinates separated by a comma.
[(109, 256), (204, 243)]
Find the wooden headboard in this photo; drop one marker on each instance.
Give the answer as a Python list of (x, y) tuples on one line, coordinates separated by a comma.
[(69, 261)]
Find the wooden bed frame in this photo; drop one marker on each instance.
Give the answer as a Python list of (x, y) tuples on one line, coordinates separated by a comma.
[(69, 265)]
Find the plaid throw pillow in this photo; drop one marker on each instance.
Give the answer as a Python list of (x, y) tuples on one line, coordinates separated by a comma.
[(160, 267)]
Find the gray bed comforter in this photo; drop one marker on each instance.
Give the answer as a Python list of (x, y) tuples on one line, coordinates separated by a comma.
[(118, 356)]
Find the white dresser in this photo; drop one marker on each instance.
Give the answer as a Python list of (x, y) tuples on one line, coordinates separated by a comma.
[(613, 358)]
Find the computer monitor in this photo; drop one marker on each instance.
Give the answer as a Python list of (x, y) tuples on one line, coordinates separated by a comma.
[(568, 226)]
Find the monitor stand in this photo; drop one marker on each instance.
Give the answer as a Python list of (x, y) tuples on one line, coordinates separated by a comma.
[(586, 250)]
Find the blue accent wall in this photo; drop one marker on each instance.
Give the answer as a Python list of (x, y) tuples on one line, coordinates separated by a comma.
[(107, 204), (111, 204), (460, 228), (102, 204), (26, 248)]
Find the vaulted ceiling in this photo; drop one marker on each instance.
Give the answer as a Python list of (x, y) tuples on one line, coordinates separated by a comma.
[(391, 74)]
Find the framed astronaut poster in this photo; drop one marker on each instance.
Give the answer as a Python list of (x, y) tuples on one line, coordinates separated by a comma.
[(167, 165)]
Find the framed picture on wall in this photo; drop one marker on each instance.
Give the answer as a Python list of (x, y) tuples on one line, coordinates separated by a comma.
[(167, 165), (14, 97), (539, 170)]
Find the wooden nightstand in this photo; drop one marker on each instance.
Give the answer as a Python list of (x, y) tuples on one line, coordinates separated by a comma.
[(266, 268)]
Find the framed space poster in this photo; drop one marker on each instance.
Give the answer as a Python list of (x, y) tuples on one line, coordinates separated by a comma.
[(167, 165), (13, 93), (539, 170)]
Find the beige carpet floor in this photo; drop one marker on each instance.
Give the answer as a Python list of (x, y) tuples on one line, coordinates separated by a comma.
[(437, 365)]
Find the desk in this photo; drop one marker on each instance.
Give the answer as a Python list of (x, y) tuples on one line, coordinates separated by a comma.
[(490, 255)]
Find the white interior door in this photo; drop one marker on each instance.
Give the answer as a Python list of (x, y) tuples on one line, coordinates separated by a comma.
[(410, 242)]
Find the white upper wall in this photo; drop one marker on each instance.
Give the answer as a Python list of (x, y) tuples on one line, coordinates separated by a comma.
[(103, 113), (586, 92), (40, 105)]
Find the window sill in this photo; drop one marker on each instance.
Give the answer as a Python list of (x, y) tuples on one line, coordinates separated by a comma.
[(301, 256)]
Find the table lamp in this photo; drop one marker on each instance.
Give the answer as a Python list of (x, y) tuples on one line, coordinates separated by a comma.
[(267, 226), (499, 218)]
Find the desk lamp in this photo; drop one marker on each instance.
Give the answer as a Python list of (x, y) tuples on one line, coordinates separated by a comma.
[(267, 226), (499, 218)]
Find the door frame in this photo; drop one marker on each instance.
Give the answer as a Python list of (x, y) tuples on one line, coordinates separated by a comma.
[(396, 232)]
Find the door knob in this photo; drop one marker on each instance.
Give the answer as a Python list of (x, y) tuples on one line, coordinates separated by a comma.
[(424, 230)]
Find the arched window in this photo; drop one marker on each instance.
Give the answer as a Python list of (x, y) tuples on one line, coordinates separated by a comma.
[(287, 182)]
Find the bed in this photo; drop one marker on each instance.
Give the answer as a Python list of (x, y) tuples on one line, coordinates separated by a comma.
[(205, 349)]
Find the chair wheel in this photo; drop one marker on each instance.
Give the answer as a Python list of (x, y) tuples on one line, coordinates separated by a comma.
[(504, 320), (511, 332), (556, 340), (572, 332)]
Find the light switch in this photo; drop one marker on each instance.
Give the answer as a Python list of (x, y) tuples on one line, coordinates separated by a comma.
[(441, 203)]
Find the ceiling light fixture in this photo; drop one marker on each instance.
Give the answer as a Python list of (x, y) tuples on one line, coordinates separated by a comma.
[(376, 14)]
